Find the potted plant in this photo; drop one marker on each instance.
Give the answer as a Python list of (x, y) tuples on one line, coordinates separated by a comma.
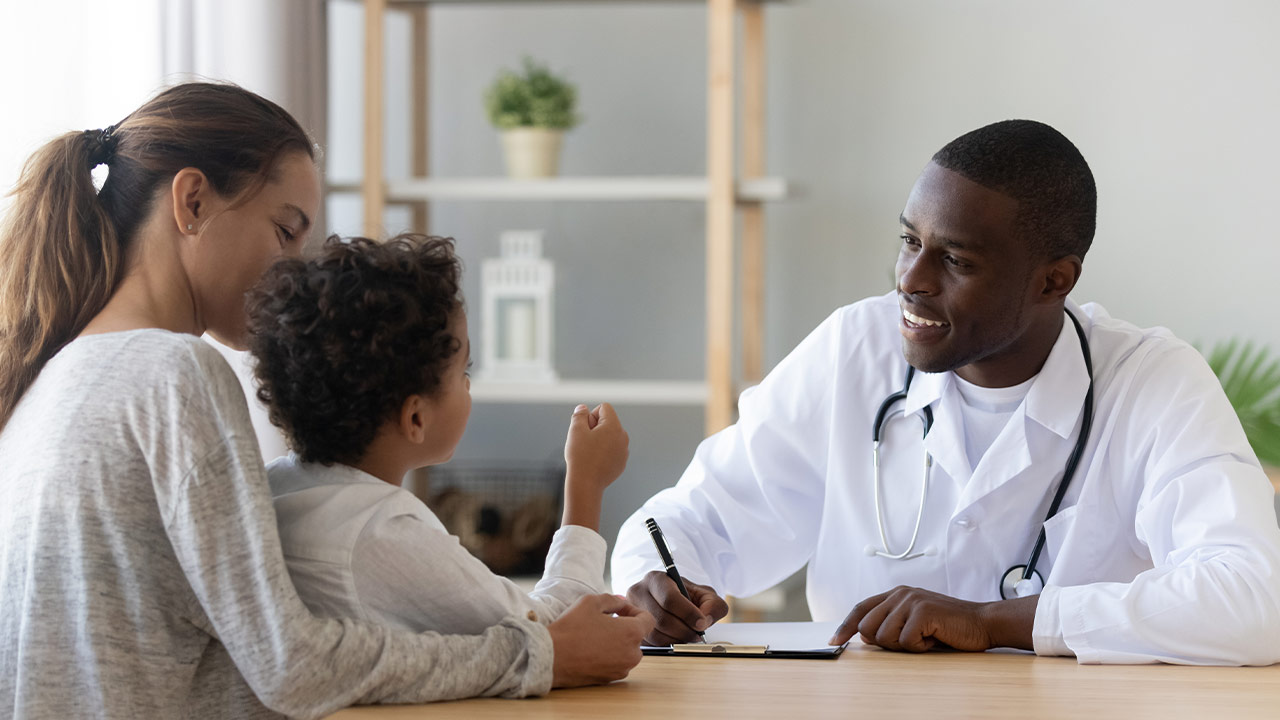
[(532, 109), (1250, 376)]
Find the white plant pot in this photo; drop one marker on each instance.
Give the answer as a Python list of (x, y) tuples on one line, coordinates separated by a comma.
[(532, 152)]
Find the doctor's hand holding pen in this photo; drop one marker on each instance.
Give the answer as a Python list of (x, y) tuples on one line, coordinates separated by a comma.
[(917, 620), (677, 619)]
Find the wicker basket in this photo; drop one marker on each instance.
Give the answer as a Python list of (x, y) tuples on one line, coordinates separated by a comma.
[(504, 515)]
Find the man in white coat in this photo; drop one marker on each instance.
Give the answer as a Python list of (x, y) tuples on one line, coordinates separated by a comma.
[(1163, 545)]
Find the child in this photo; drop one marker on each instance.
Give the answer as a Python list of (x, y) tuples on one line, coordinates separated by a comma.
[(362, 357)]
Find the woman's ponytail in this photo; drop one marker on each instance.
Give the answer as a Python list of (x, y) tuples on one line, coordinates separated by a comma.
[(60, 258)]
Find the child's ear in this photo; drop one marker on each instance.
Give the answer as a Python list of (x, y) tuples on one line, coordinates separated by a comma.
[(415, 418)]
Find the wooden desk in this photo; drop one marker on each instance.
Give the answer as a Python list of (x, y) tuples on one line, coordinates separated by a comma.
[(871, 683)]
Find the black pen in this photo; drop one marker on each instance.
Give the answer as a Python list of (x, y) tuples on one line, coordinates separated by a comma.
[(672, 573)]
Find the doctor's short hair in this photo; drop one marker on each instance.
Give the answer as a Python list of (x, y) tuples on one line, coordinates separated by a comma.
[(1041, 169), (341, 340)]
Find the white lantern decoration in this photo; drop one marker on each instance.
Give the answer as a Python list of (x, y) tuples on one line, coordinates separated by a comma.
[(516, 296)]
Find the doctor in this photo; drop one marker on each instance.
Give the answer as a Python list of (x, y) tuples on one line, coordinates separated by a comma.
[(1161, 543)]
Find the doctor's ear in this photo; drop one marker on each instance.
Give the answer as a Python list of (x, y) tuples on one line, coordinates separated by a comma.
[(1060, 277), (416, 414)]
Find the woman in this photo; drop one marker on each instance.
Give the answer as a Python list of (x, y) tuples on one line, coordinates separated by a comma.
[(140, 569)]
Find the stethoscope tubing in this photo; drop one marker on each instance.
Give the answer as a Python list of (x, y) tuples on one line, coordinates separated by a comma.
[(927, 420), (1073, 462)]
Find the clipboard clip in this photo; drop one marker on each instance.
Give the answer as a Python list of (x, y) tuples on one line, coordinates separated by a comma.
[(722, 648)]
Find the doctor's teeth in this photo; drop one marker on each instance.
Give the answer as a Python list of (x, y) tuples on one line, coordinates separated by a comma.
[(917, 320)]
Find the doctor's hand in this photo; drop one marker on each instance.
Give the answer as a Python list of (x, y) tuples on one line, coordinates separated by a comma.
[(916, 620), (592, 646), (678, 620)]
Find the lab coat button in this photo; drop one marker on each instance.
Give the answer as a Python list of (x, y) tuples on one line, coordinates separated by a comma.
[(532, 616)]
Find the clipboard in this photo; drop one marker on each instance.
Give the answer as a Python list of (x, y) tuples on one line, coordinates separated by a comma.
[(796, 640)]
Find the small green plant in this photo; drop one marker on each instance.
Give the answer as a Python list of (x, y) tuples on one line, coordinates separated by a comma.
[(534, 98), (1251, 378)]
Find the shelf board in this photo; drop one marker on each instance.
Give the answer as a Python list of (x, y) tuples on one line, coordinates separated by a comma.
[(617, 392), (622, 189)]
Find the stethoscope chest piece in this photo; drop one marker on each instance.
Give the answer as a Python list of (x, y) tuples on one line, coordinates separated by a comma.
[(1013, 585)]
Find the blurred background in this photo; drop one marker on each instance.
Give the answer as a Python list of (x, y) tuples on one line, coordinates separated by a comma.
[(1174, 103)]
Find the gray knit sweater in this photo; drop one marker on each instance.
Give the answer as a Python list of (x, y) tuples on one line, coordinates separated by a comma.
[(141, 573)]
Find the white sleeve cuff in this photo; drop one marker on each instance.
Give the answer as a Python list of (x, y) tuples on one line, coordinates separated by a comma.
[(1047, 631), (577, 553)]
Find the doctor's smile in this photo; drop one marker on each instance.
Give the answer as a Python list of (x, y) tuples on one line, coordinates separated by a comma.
[(917, 321), (919, 329)]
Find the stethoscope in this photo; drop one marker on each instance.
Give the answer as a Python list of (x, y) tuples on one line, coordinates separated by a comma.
[(1019, 580)]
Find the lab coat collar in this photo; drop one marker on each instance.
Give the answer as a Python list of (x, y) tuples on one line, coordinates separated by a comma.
[(926, 388), (945, 442), (1054, 401), (1056, 398)]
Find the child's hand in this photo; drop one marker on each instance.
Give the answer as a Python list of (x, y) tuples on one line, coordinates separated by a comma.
[(595, 455), (596, 452)]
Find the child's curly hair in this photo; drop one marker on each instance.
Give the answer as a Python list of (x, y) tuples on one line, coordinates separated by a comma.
[(342, 339)]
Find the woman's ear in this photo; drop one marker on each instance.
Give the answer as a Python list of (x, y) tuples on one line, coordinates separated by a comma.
[(191, 194), (416, 414)]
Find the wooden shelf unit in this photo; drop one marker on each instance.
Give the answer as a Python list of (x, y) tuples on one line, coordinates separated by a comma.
[(723, 190)]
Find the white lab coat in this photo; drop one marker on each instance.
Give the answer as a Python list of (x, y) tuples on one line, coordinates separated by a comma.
[(1166, 547)]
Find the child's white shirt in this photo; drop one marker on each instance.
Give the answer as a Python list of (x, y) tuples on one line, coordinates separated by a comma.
[(359, 547)]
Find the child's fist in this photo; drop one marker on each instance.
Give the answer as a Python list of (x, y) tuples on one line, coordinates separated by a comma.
[(595, 453)]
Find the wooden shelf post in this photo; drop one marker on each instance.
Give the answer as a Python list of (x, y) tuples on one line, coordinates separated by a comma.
[(373, 192), (720, 207), (420, 77), (753, 166)]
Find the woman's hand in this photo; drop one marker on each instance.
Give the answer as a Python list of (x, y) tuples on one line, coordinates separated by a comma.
[(592, 646)]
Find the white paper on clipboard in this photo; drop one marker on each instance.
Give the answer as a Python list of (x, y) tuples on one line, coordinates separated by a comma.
[(781, 638)]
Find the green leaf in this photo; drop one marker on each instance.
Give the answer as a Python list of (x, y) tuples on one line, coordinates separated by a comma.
[(1250, 377), (532, 98)]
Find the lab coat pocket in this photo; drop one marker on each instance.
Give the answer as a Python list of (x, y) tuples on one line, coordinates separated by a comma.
[(1056, 531)]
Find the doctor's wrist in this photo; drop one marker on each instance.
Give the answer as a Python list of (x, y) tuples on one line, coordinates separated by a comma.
[(1009, 623)]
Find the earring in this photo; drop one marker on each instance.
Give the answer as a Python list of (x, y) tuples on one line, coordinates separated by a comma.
[(190, 226)]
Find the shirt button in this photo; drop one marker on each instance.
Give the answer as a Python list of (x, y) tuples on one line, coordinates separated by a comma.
[(533, 616), (967, 523)]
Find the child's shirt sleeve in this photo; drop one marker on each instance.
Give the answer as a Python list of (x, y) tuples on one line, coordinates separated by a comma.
[(409, 572)]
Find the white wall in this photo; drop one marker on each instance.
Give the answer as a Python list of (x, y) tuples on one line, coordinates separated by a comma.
[(1175, 104), (50, 82)]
